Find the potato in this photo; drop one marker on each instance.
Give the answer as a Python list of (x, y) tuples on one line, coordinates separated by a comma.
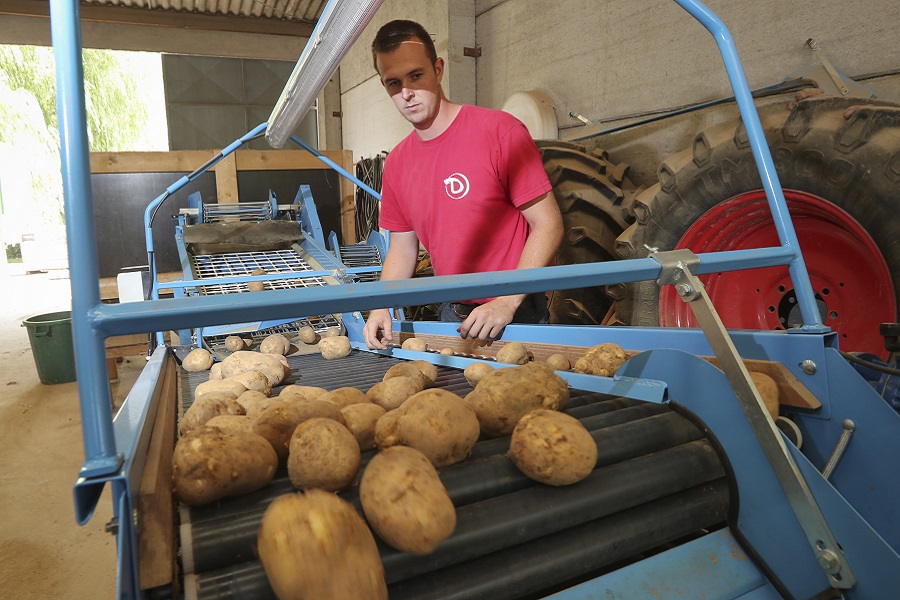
[(275, 344), (315, 545), (307, 335), (360, 419), (198, 359), (447, 352), (210, 464), (438, 424), (603, 360), (256, 286), (255, 402), (253, 380), (408, 368), (233, 343), (231, 422), (768, 389), (215, 371), (332, 332), (315, 409), (502, 397), (392, 393), (301, 392), (476, 372), (416, 344), (405, 502), (236, 388), (274, 366), (513, 353), (553, 448), (344, 396), (386, 429), (324, 455), (205, 408), (559, 362), (334, 347), (277, 424)]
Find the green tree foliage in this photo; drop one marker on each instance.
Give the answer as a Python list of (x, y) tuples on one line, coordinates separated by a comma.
[(116, 115)]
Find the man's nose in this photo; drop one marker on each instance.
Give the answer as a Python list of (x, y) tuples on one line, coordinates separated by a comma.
[(406, 93)]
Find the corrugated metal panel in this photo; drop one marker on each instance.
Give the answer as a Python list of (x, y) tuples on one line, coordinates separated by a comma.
[(307, 11)]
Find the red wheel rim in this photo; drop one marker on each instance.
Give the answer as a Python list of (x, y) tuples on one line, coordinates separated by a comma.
[(850, 278)]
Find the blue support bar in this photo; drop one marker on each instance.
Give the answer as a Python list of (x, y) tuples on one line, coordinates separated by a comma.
[(812, 320), (334, 166), (90, 360)]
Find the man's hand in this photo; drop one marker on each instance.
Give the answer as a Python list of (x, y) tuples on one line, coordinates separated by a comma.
[(378, 319), (487, 321)]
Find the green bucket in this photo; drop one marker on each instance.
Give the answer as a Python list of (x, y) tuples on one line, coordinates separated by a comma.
[(52, 347)]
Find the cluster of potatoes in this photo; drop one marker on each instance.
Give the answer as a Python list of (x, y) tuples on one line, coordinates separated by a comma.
[(235, 436)]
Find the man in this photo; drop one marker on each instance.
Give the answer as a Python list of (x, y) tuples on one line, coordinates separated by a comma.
[(467, 182)]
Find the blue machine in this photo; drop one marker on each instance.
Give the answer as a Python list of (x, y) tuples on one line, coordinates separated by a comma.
[(819, 523)]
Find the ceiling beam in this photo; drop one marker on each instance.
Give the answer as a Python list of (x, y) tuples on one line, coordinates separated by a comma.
[(122, 15)]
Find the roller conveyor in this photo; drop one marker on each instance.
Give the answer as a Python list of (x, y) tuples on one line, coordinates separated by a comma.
[(655, 472)]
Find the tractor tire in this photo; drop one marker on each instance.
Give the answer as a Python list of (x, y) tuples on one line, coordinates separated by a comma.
[(595, 198), (838, 160)]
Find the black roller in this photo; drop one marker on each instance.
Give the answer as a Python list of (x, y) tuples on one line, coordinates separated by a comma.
[(540, 510), (241, 582), (231, 537), (560, 560)]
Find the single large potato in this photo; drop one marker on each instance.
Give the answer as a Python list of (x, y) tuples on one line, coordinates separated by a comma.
[(603, 360), (559, 362), (344, 396), (405, 502), (316, 546), (392, 393), (253, 380), (233, 343), (476, 372), (198, 359), (438, 424), (301, 392), (409, 369), (553, 448), (334, 347), (255, 402), (275, 344), (386, 429), (210, 464), (360, 419), (231, 422), (513, 353), (210, 405), (277, 424), (324, 455), (274, 366), (416, 344), (233, 387), (307, 335), (502, 397)]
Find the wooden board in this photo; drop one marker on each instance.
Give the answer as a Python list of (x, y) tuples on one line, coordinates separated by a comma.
[(790, 391), (157, 560)]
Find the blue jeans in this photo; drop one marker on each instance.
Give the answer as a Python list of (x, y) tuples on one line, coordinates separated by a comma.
[(532, 310)]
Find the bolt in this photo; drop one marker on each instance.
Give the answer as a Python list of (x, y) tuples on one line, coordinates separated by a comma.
[(684, 289), (809, 367), (829, 561)]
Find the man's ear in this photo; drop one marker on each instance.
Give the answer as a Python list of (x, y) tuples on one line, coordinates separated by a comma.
[(439, 68)]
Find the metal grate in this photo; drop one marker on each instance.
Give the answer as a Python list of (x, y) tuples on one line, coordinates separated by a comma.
[(242, 211), (360, 255), (216, 343), (236, 264)]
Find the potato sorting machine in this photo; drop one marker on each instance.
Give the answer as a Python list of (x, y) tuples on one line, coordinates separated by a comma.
[(697, 492)]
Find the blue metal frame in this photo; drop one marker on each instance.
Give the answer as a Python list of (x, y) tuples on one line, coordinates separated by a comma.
[(112, 450)]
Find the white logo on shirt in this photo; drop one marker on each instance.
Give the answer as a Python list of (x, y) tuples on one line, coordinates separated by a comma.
[(457, 186)]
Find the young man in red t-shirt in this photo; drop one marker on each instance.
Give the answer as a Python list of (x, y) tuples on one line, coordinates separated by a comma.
[(467, 182)]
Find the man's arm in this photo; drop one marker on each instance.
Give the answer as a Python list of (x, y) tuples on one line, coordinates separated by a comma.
[(545, 221), (400, 263)]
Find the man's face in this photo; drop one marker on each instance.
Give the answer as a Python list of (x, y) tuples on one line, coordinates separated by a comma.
[(413, 83)]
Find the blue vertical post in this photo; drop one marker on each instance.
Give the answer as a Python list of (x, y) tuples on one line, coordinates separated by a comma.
[(90, 357), (812, 320)]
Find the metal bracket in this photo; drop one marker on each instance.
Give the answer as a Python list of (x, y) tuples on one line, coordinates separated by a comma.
[(832, 72), (677, 271)]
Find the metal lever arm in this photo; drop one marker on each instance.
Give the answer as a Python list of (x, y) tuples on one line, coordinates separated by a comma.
[(677, 271)]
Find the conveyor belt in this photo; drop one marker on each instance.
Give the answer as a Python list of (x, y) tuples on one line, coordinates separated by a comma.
[(657, 480), (360, 255), (234, 264)]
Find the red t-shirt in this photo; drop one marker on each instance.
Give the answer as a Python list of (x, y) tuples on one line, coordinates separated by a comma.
[(460, 191)]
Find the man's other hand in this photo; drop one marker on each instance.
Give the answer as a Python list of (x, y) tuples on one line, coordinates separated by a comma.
[(378, 319), (487, 321)]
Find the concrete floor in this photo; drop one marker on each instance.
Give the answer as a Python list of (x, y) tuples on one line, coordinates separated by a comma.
[(44, 553)]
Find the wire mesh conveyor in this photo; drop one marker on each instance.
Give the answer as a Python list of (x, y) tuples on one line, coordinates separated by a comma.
[(658, 482), (361, 255)]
